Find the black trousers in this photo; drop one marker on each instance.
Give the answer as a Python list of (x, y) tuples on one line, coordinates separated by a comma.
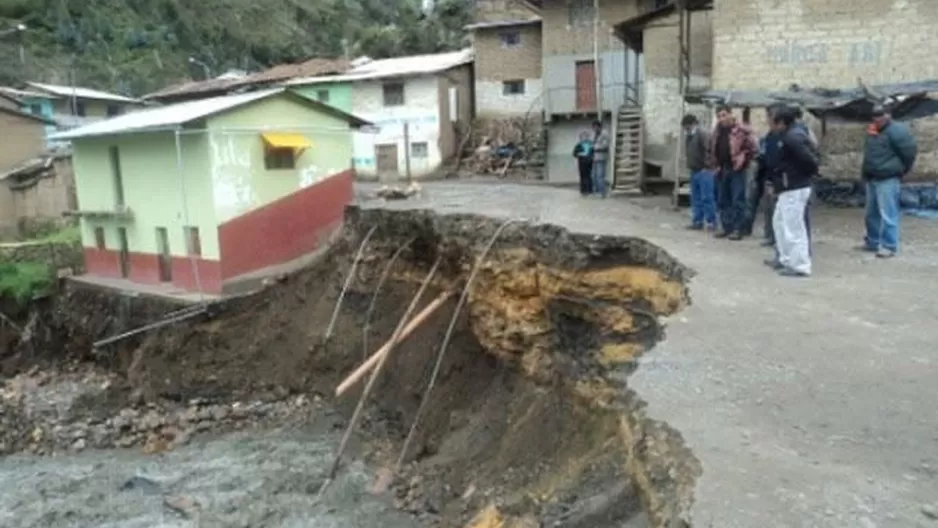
[(586, 176)]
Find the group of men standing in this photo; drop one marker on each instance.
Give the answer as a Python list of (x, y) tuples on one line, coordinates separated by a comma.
[(787, 162), (592, 156)]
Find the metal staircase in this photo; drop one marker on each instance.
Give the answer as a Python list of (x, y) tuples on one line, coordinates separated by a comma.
[(629, 147)]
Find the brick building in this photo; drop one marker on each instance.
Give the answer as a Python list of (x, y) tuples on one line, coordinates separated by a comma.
[(506, 37)]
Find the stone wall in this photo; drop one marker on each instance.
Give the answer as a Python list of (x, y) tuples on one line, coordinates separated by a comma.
[(842, 150), (768, 44), (59, 255)]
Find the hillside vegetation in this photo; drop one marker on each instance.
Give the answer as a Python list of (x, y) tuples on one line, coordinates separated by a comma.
[(137, 46)]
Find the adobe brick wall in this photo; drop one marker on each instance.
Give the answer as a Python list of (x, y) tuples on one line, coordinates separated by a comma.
[(560, 38), (767, 44), (493, 62)]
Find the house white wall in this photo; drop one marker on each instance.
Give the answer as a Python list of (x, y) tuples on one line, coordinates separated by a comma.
[(421, 111), (491, 99)]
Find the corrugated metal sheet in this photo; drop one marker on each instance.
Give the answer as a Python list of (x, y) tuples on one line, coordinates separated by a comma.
[(77, 91), (395, 67)]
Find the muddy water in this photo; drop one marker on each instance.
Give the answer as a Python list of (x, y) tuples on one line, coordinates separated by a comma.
[(243, 480)]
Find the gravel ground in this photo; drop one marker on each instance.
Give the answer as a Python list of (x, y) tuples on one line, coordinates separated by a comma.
[(248, 479)]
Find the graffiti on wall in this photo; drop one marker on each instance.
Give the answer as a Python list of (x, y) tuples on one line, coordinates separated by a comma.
[(231, 176), (795, 53)]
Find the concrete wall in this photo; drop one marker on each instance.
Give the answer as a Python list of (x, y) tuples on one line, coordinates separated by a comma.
[(455, 100), (151, 190), (239, 180), (615, 70), (420, 111), (340, 94), (48, 198), (771, 44), (22, 138), (563, 38), (562, 135), (494, 64)]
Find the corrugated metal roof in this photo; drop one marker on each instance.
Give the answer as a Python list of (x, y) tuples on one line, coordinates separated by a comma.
[(176, 115), (395, 67), (503, 23), (22, 94), (77, 91)]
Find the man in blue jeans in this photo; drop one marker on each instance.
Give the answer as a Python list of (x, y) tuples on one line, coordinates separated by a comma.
[(733, 147), (702, 194), (600, 157), (889, 154)]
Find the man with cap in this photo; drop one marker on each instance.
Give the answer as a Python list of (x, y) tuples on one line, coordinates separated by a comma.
[(888, 156)]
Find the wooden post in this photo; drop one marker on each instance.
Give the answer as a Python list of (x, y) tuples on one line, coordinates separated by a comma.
[(412, 325)]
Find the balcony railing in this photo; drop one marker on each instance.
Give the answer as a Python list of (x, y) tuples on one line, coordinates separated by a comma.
[(568, 100)]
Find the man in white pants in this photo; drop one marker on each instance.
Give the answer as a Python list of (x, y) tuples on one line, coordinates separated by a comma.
[(792, 182)]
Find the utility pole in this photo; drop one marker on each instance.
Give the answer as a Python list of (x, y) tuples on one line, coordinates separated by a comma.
[(407, 152), (597, 67)]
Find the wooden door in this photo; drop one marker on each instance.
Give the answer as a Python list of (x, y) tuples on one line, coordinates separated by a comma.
[(386, 161), (165, 259), (124, 252), (585, 85)]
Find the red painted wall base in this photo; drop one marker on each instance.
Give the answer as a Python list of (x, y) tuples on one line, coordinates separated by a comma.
[(285, 229), (145, 269)]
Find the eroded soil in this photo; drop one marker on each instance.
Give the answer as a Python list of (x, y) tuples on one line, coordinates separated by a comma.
[(524, 428)]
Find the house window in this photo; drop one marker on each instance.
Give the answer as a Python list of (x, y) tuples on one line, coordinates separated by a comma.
[(322, 96), (99, 241), (113, 110), (80, 109), (420, 150), (276, 158), (193, 241), (511, 39), (513, 87), (580, 12), (393, 94), (35, 109)]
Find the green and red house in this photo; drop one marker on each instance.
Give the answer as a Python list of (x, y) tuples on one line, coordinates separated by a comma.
[(203, 194)]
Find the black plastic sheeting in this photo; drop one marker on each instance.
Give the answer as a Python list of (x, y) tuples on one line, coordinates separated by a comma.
[(906, 101), (920, 199)]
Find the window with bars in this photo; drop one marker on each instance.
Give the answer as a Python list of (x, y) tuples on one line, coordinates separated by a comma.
[(393, 94)]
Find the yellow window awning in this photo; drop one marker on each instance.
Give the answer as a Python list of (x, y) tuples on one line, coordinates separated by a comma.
[(290, 140)]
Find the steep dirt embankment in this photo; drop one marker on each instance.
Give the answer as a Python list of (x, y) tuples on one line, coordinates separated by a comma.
[(531, 420)]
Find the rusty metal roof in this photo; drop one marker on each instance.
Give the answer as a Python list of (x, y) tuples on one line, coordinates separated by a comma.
[(281, 72)]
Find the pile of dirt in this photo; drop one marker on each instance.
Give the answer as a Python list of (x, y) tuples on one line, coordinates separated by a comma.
[(530, 422)]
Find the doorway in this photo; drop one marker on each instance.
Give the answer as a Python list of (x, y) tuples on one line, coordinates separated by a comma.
[(585, 85), (165, 259), (124, 252), (386, 161)]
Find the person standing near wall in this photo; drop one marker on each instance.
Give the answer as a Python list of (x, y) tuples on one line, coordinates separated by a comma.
[(767, 160), (798, 163), (702, 195), (888, 156), (733, 147), (600, 158), (583, 152)]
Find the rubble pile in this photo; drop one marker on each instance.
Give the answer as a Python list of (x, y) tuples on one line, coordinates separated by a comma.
[(53, 412)]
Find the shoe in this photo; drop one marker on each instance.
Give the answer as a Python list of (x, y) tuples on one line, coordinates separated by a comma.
[(695, 227), (767, 243), (774, 264), (884, 253), (720, 234), (788, 272), (734, 236)]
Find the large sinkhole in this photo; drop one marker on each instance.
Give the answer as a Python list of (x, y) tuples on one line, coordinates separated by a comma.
[(530, 421)]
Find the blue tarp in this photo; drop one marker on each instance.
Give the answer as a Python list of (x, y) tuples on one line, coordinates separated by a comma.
[(916, 199)]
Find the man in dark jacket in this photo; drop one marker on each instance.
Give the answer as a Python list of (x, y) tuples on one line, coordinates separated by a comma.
[(702, 194), (889, 154), (583, 152), (797, 166), (769, 152)]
